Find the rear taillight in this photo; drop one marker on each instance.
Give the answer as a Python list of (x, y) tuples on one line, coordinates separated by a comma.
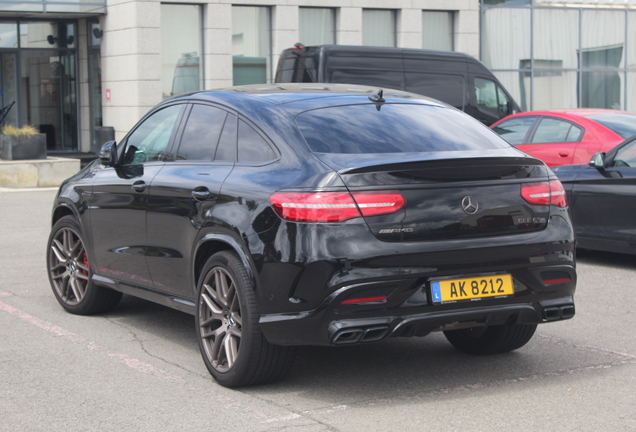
[(378, 203), (329, 207), (544, 193)]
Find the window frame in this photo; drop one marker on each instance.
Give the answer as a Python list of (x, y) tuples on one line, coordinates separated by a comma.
[(182, 129), (263, 135), (544, 117), (533, 126), (169, 155)]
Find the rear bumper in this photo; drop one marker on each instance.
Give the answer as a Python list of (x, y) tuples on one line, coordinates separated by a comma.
[(408, 311), (310, 302)]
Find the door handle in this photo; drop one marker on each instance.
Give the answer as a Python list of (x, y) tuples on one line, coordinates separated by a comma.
[(139, 186), (564, 154), (201, 194)]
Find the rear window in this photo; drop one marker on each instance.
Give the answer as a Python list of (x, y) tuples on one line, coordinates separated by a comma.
[(623, 124), (393, 128)]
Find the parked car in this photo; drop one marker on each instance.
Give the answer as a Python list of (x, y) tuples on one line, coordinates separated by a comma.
[(283, 216), (602, 199), (449, 76), (567, 136)]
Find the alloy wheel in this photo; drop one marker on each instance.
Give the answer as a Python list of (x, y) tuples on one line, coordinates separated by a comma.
[(220, 319), (68, 266)]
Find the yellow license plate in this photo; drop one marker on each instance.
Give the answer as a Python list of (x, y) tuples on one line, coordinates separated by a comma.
[(455, 290)]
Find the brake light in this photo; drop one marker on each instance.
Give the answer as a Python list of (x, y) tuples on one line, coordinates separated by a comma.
[(378, 203), (330, 207), (544, 193)]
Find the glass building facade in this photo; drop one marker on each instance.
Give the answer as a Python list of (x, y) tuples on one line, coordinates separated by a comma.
[(553, 54)]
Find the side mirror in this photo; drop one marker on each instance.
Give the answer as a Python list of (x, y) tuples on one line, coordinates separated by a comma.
[(598, 161), (108, 154)]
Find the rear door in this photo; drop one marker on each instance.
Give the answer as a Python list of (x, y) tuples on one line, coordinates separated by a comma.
[(554, 141), (184, 193)]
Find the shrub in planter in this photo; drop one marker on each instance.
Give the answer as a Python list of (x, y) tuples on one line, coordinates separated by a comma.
[(22, 143)]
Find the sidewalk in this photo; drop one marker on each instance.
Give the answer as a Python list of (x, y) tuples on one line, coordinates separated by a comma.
[(49, 172)]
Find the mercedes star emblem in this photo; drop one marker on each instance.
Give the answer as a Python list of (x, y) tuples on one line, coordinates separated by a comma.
[(470, 205)]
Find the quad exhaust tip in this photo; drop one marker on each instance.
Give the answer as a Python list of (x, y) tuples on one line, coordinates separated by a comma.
[(555, 313), (357, 335)]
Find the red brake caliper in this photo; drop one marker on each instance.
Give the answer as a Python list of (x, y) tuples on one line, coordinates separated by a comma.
[(85, 272)]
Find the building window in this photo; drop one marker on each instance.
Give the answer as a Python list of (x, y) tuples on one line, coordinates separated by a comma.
[(631, 62), (317, 26), (251, 44), (181, 54), (555, 57), (602, 58), (378, 27), (437, 30), (554, 82), (48, 84), (95, 34)]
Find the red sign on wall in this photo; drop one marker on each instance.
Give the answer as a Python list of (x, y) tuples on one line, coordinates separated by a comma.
[(107, 95)]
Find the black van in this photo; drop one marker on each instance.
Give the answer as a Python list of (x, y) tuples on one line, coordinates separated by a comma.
[(452, 77)]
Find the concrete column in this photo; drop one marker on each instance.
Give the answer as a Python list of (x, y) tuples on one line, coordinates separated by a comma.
[(131, 62), (285, 23), (467, 32), (84, 101), (409, 28), (349, 26), (217, 40)]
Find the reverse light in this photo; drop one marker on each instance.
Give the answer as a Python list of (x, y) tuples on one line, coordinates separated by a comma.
[(330, 207), (544, 193)]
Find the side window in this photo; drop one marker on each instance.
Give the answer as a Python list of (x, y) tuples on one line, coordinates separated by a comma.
[(552, 130), (226, 150), (202, 133), (626, 156), (252, 147), (486, 94), (515, 129), (149, 141), (491, 96), (505, 107)]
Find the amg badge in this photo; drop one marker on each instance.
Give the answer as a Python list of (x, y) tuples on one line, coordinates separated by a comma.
[(396, 230)]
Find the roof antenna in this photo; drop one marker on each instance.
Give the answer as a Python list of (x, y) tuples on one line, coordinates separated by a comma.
[(377, 98)]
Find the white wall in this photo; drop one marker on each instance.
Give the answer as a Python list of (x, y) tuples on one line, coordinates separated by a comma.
[(131, 45)]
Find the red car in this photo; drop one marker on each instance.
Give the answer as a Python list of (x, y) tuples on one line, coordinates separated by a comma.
[(566, 136)]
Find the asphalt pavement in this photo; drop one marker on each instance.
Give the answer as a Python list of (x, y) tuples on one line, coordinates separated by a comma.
[(138, 368)]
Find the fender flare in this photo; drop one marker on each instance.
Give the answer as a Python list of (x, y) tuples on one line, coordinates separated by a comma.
[(235, 245)]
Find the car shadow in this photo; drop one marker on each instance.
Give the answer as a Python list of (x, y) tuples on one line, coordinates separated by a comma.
[(606, 259), (398, 368), (157, 320)]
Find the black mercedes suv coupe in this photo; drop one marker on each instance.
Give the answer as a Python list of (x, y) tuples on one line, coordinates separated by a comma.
[(320, 214)]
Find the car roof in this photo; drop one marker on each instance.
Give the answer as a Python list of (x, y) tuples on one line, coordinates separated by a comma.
[(298, 97), (580, 112)]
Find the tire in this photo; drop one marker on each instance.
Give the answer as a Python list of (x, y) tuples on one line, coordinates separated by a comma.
[(70, 273), (491, 340), (232, 344)]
